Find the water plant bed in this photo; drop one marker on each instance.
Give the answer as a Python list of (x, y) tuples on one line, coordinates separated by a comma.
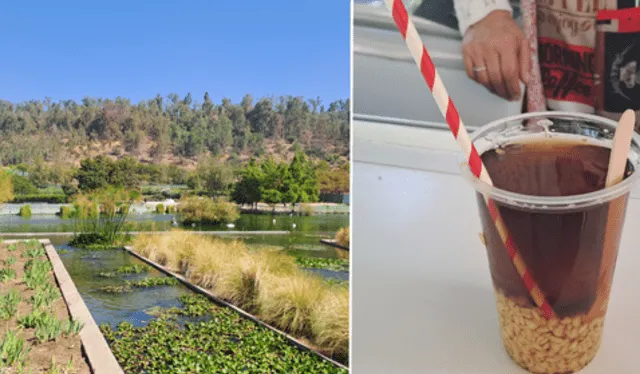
[(38, 334), (285, 299), (333, 264), (221, 342)]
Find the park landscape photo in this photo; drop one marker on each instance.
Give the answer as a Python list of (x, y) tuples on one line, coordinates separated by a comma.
[(148, 231)]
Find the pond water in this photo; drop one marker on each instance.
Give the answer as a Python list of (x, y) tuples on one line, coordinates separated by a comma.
[(85, 266)]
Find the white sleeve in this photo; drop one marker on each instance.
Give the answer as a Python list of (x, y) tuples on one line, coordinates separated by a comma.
[(471, 11)]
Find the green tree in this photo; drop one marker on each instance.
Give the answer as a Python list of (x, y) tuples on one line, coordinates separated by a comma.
[(271, 187), (216, 176), (300, 184), (94, 173), (248, 188)]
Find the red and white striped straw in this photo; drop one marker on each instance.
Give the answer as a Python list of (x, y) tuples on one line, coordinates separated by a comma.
[(427, 68)]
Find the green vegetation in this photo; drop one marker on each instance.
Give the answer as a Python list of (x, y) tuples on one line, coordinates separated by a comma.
[(9, 304), (25, 211), (160, 209), (66, 212), (36, 273), (6, 186), (7, 273), (11, 260), (332, 264), (45, 295), (30, 318), (41, 198), (153, 282), (206, 210), (133, 269), (12, 350), (223, 342), (277, 183), (170, 128), (107, 228), (267, 283)]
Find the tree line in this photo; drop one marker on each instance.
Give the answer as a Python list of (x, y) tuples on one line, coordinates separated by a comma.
[(169, 128)]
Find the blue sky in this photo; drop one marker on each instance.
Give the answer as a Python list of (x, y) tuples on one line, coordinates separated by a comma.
[(137, 49)]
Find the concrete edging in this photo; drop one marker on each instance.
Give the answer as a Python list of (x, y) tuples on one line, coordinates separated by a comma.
[(242, 313), (99, 356), (333, 243)]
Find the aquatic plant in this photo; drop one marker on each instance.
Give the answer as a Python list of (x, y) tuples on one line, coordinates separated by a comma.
[(25, 211), (133, 269), (106, 227), (153, 282), (225, 342), (332, 264), (195, 209), (268, 284)]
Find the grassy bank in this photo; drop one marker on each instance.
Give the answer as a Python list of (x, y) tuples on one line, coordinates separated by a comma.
[(268, 284), (37, 333)]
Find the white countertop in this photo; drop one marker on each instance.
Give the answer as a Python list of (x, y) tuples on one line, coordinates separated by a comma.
[(422, 299)]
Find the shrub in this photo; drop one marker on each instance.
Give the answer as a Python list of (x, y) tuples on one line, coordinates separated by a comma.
[(171, 209), (23, 186), (25, 211), (306, 209), (40, 198), (66, 212), (160, 209), (330, 321), (206, 210), (342, 237)]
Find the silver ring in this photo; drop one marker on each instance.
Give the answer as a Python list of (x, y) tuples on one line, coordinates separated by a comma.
[(478, 69)]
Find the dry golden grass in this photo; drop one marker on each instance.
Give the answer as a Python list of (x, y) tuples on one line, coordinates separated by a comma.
[(342, 237), (264, 282), (330, 321)]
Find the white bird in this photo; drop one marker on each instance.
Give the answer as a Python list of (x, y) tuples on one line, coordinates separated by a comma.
[(193, 224), (174, 222), (274, 220), (230, 225), (293, 225)]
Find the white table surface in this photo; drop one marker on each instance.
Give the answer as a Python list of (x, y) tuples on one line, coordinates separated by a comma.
[(422, 299)]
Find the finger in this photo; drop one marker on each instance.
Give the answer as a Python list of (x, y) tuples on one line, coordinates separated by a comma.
[(510, 72), (492, 62), (468, 63), (524, 57), (479, 69)]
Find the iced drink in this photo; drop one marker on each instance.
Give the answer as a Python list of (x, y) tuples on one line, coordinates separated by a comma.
[(550, 191)]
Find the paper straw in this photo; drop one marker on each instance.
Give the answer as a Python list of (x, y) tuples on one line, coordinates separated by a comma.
[(427, 68)]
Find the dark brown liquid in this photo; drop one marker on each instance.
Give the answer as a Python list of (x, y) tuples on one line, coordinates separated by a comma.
[(562, 251)]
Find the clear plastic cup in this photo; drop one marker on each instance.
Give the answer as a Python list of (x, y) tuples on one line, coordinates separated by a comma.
[(569, 243)]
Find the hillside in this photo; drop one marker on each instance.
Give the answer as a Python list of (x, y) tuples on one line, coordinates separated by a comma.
[(173, 131)]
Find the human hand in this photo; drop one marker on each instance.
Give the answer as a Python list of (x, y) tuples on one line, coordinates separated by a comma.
[(496, 54)]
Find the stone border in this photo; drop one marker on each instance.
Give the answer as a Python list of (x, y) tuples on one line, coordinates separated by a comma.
[(99, 356), (242, 313)]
